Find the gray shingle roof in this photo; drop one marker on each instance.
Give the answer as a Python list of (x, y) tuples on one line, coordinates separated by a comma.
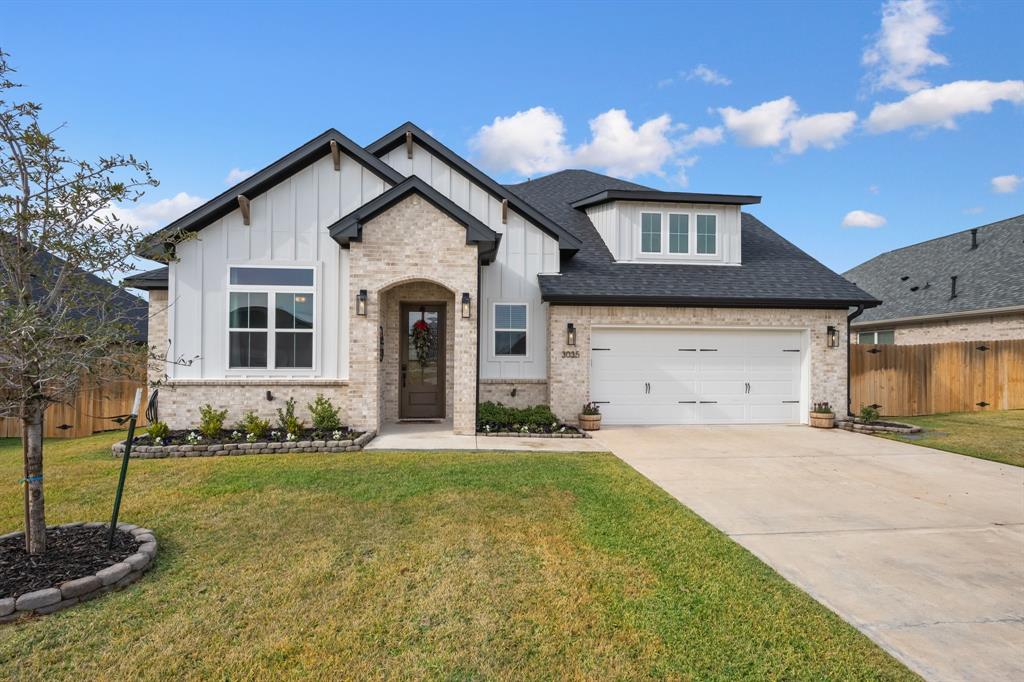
[(150, 279), (774, 272), (915, 281)]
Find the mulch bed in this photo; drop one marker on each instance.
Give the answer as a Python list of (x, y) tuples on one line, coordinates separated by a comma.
[(70, 553), (180, 436), (517, 429)]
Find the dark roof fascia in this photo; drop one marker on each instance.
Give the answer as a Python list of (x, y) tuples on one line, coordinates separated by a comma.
[(350, 227), (260, 182), (665, 197), (705, 302), (566, 240), (149, 280)]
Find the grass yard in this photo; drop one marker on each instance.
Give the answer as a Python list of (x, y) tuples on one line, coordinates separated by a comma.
[(418, 565), (998, 436)]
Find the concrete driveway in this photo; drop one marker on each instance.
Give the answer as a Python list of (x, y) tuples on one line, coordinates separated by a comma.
[(921, 550)]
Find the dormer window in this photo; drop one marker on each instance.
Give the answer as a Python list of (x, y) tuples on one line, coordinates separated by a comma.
[(650, 232), (678, 233), (707, 234)]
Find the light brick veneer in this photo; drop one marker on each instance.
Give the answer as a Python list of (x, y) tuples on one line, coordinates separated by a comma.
[(411, 242), (180, 399), (569, 378), (987, 328), (529, 392), (157, 334)]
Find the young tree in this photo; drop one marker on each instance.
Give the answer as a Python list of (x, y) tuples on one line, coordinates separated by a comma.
[(59, 241)]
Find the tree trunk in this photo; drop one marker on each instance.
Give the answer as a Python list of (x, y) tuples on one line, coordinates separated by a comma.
[(32, 433)]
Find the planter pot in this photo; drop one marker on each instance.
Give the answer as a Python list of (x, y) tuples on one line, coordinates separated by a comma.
[(823, 420), (590, 422)]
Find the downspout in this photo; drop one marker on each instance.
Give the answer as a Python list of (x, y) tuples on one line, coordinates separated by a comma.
[(849, 319), (476, 407)]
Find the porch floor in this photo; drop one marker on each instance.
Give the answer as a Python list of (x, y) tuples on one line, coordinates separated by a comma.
[(439, 436)]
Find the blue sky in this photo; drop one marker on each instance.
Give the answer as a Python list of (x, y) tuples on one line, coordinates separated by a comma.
[(776, 99)]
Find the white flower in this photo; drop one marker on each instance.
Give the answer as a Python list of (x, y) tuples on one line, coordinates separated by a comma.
[(336, 435), (291, 437), (158, 440), (251, 437)]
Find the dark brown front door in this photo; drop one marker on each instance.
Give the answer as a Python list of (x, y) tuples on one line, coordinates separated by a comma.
[(422, 362)]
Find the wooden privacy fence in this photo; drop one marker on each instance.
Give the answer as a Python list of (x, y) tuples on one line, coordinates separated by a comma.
[(88, 414), (965, 376)]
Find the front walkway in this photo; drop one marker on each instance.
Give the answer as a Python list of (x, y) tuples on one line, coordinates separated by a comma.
[(439, 436), (921, 550)]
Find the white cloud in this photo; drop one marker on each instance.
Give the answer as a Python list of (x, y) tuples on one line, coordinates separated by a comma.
[(665, 82), (860, 218), (769, 124), (938, 107), (1005, 184), (236, 175), (682, 178), (708, 75), (820, 130), (527, 142), (620, 149), (901, 51), (702, 136), (874, 189), (151, 216)]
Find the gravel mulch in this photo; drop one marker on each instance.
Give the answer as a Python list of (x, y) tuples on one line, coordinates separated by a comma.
[(70, 553)]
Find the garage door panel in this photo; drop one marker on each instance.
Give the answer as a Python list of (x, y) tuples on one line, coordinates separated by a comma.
[(773, 414), (637, 413), (722, 413)]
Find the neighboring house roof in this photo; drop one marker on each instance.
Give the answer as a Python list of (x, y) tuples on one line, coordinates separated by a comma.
[(567, 241), (350, 227), (610, 195), (149, 280), (774, 273), (915, 281), (262, 181)]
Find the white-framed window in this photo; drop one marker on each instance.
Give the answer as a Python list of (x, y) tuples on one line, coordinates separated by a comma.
[(650, 232), (510, 323), (678, 233), (885, 337), (271, 317), (707, 233)]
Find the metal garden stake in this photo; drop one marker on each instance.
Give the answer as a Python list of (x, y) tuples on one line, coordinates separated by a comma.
[(124, 466)]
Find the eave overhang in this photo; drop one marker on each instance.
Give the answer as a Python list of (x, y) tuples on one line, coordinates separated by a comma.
[(654, 196)]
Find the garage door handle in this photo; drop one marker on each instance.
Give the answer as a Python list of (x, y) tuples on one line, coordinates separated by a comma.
[(687, 402), (789, 402), (708, 350), (708, 402)]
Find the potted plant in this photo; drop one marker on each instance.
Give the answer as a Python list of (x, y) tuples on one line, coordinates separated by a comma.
[(590, 418), (822, 416)]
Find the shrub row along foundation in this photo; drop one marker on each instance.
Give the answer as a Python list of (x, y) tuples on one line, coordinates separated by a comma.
[(71, 592), (258, 448)]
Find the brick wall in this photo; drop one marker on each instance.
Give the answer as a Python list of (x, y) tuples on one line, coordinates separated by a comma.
[(529, 392), (569, 378), (157, 340), (180, 399), (987, 328)]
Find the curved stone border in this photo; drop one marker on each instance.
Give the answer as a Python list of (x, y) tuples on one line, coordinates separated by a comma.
[(889, 427), (259, 448), (514, 434), (113, 577)]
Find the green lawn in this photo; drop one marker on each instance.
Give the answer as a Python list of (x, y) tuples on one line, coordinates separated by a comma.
[(998, 436), (418, 565)]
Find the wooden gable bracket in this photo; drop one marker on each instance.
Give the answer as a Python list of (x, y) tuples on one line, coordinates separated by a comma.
[(504, 211), (408, 144), (243, 205), (336, 155)]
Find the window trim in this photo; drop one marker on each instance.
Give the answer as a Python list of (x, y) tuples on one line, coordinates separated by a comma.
[(696, 230), (689, 234), (665, 255), (495, 329), (661, 233), (271, 329)]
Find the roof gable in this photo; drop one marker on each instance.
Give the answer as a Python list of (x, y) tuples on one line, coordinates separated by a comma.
[(264, 180), (350, 227), (567, 241)]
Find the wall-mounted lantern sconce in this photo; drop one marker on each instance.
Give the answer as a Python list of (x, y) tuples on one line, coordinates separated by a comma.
[(832, 336), (465, 306), (361, 302), (570, 334), (380, 345)]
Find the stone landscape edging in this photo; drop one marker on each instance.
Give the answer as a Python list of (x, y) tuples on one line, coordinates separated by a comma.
[(118, 575), (258, 448), (860, 427)]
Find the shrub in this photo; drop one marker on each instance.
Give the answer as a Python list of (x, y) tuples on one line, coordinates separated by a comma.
[(822, 408), (158, 431), (254, 426), (287, 420), (211, 421), (325, 414), (592, 409), (869, 413), (501, 416)]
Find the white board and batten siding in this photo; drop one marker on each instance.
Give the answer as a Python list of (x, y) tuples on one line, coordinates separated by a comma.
[(618, 223), (288, 226), (700, 376), (524, 252)]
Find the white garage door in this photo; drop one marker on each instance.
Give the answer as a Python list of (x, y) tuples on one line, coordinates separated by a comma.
[(676, 376)]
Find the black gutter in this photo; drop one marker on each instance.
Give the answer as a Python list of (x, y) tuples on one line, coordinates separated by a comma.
[(610, 195), (849, 319)]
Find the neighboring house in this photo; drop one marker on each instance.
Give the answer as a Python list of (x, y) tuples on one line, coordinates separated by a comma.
[(403, 283), (968, 286)]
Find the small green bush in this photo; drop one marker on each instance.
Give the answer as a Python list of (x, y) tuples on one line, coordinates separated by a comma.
[(158, 430), (211, 421), (868, 413), (254, 426), (325, 414), (287, 420), (496, 415)]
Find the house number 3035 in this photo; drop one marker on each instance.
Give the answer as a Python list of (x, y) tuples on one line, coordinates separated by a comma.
[(570, 353)]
